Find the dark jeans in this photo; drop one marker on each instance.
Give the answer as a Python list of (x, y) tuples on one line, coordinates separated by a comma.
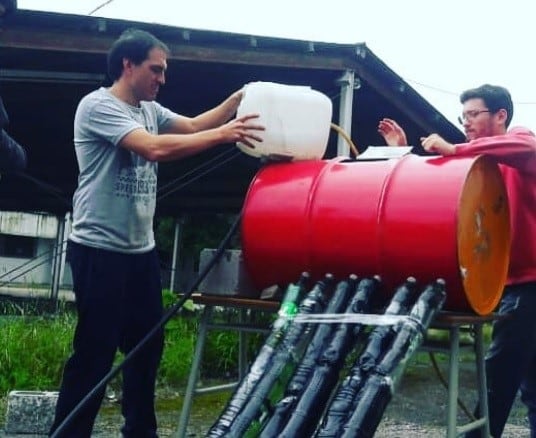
[(118, 301), (511, 358)]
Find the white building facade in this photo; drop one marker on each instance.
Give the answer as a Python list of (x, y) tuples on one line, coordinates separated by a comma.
[(32, 250)]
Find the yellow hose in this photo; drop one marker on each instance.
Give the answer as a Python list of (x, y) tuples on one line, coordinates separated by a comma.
[(346, 138)]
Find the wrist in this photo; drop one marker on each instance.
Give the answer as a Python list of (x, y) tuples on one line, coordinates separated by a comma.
[(235, 98), (232, 103)]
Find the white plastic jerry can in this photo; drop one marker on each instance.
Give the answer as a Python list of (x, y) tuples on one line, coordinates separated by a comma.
[(297, 120)]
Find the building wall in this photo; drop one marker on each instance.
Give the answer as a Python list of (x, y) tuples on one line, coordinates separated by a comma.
[(21, 265), (28, 224), (24, 270), (27, 244)]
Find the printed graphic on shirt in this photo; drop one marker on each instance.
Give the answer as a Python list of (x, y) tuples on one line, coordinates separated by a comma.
[(136, 180)]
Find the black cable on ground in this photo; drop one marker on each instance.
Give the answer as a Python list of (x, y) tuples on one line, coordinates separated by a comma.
[(169, 314)]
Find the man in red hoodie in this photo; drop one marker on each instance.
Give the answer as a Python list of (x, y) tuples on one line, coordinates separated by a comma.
[(511, 358)]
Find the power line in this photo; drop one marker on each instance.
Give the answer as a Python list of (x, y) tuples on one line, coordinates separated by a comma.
[(441, 90), (100, 6), (452, 93)]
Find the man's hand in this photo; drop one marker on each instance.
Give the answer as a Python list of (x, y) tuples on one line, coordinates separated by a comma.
[(242, 130), (435, 143), (392, 133)]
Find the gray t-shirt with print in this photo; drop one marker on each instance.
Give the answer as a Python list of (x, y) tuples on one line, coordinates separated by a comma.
[(114, 204)]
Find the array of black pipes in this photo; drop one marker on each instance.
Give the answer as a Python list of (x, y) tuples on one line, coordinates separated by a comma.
[(295, 386)]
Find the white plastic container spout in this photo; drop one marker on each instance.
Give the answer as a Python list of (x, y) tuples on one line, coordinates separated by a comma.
[(297, 120)]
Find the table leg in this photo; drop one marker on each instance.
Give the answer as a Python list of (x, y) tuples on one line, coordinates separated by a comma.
[(194, 371), (481, 376), (454, 333)]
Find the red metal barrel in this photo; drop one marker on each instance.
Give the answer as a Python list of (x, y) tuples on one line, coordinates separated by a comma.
[(426, 217)]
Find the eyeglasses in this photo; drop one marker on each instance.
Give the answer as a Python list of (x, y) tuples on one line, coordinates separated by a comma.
[(470, 115)]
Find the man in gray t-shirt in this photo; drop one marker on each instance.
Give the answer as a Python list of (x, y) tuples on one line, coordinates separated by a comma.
[(120, 133), (115, 200)]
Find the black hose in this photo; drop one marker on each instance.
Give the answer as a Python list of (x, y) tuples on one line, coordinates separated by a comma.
[(169, 314)]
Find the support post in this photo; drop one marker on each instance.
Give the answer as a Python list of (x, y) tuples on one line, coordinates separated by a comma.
[(347, 84), (56, 262), (66, 232), (192, 379), (454, 334), (179, 222)]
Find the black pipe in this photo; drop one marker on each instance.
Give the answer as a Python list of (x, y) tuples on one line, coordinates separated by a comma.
[(343, 291), (328, 367), (381, 384), (288, 308), (270, 389), (345, 397)]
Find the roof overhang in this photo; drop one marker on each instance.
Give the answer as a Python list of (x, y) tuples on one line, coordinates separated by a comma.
[(49, 61)]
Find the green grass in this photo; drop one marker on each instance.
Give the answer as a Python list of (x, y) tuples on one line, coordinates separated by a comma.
[(34, 348), (31, 351)]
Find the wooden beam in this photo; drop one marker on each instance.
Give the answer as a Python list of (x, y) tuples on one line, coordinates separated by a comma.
[(57, 41)]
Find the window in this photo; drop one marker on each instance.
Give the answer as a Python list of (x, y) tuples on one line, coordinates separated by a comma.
[(17, 246)]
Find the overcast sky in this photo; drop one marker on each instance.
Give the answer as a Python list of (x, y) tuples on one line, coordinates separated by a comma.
[(440, 47)]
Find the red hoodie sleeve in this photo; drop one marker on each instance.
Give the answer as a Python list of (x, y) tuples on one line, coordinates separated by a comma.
[(516, 148)]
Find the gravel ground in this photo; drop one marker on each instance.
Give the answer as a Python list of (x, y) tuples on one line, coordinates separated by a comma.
[(418, 410)]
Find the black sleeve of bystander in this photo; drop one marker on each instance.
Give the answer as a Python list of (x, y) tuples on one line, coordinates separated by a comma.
[(12, 154), (4, 119)]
